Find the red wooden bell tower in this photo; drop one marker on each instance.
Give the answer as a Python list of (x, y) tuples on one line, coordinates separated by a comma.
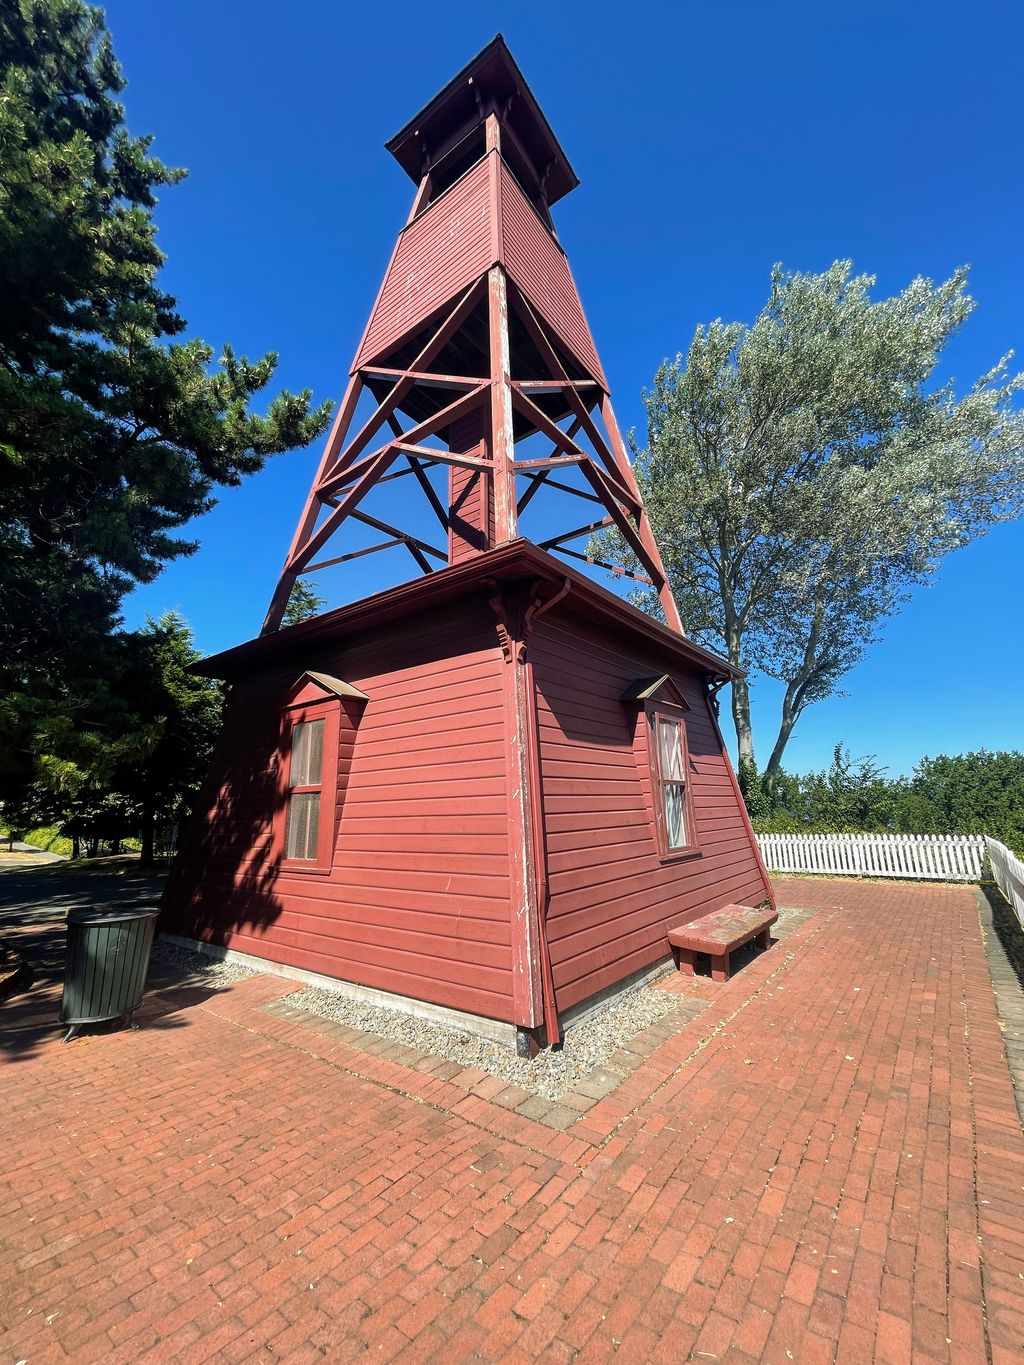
[(476, 343), (457, 793)]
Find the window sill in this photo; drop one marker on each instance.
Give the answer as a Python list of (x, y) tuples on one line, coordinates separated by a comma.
[(681, 855), (307, 869)]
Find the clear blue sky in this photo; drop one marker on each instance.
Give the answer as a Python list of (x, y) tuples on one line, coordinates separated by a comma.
[(711, 141)]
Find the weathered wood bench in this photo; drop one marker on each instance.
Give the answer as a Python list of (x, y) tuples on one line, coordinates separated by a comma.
[(719, 934)]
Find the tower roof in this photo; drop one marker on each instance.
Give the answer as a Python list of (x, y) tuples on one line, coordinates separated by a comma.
[(492, 75)]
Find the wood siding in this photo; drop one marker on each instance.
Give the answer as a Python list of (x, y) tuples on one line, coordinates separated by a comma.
[(469, 500), (418, 898), (539, 267), (438, 254), (612, 898), (455, 241)]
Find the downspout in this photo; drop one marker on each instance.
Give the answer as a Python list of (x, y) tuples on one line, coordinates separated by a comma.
[(540, 843)]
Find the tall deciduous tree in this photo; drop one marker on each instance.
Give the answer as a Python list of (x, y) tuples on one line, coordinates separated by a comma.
[(803, 472)]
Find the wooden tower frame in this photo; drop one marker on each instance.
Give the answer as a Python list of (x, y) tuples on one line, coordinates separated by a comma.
[(477, 273), (494, 827)]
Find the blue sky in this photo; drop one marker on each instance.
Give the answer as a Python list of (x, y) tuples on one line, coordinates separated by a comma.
[(710, 140)]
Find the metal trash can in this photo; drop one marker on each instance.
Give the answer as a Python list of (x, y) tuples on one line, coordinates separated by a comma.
[(106, 964)]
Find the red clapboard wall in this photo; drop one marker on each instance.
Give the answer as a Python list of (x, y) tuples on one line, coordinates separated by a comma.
[(454, 241), (417, 902), (611, 897), (438, 254)]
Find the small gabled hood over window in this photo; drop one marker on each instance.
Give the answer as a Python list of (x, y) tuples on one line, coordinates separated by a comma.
[(311, 686), (660, 688)]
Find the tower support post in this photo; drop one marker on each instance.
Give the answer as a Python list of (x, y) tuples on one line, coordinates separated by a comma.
[(506, 522)]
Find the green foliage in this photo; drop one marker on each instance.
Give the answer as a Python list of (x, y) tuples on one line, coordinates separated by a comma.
[(112, 435), (50, 838), (303, 604), (115, 431), (755, 794), (804, 471), (128, 752), (974, 793)]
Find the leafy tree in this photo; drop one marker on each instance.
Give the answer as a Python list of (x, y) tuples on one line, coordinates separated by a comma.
[(975, 793), (130, 751), (803, 472), (303, 604), (112, 435)]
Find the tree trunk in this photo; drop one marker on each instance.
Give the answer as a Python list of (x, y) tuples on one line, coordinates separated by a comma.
[(146, 833), (76, 846), (771, 772), (740, 686), (741, 720), (793, 700)]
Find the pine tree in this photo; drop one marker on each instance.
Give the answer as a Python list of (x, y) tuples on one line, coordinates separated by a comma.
[(112, 435), (115, 430)]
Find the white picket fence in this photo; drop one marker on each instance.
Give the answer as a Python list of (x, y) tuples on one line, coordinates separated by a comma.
[(932, 857), (1008, 874)]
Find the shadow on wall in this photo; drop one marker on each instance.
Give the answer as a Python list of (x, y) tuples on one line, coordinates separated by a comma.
[(223, 879)]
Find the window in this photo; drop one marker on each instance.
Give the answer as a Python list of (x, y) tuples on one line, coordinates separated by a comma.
[(304, 783), (670, 743), (318, 729), (660, 745)]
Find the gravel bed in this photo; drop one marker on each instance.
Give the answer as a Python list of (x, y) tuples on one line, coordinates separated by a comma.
[(550, 1074), (212, 970)]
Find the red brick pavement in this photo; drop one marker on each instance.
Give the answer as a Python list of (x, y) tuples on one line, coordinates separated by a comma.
[(825, 1165)]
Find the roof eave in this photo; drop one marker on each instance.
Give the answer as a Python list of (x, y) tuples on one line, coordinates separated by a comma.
[(396, 144), (506, 562)]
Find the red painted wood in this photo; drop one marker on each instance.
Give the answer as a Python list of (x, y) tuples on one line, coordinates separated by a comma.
[(459, 858), (612, 897), (470, 506), (720, 934), (539, 266), (417, 900), (438, 254), (722, 931)]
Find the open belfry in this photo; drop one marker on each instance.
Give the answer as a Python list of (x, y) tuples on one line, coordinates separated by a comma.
[(491, 792)]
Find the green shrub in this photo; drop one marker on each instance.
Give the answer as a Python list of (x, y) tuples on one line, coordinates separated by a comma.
[(975, 793), (50, 838)]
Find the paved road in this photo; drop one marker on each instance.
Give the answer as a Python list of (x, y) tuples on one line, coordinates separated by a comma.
[(824, 1165)]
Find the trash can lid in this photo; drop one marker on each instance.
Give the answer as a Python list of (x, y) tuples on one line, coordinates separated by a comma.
[(129, 912)]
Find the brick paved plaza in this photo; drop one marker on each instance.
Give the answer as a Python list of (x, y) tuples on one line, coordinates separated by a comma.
[(826, 1163)]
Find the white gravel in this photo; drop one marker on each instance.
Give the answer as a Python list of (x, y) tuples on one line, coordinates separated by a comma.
[(587, 1046), (551, 1073), (186, 960)]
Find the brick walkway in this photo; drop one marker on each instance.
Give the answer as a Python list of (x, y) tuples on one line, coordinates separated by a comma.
[(826, 1164)]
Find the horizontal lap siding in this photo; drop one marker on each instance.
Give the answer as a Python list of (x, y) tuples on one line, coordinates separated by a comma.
[(539, 267), (418, 898), (611, 898), (441, 252)]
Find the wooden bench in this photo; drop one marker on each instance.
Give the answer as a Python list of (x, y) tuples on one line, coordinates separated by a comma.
[(718, 934)]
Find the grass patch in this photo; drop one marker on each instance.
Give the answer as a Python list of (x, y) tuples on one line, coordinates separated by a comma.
[(47, 837)]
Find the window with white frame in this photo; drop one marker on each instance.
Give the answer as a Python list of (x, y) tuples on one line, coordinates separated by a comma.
[(670, 745)]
